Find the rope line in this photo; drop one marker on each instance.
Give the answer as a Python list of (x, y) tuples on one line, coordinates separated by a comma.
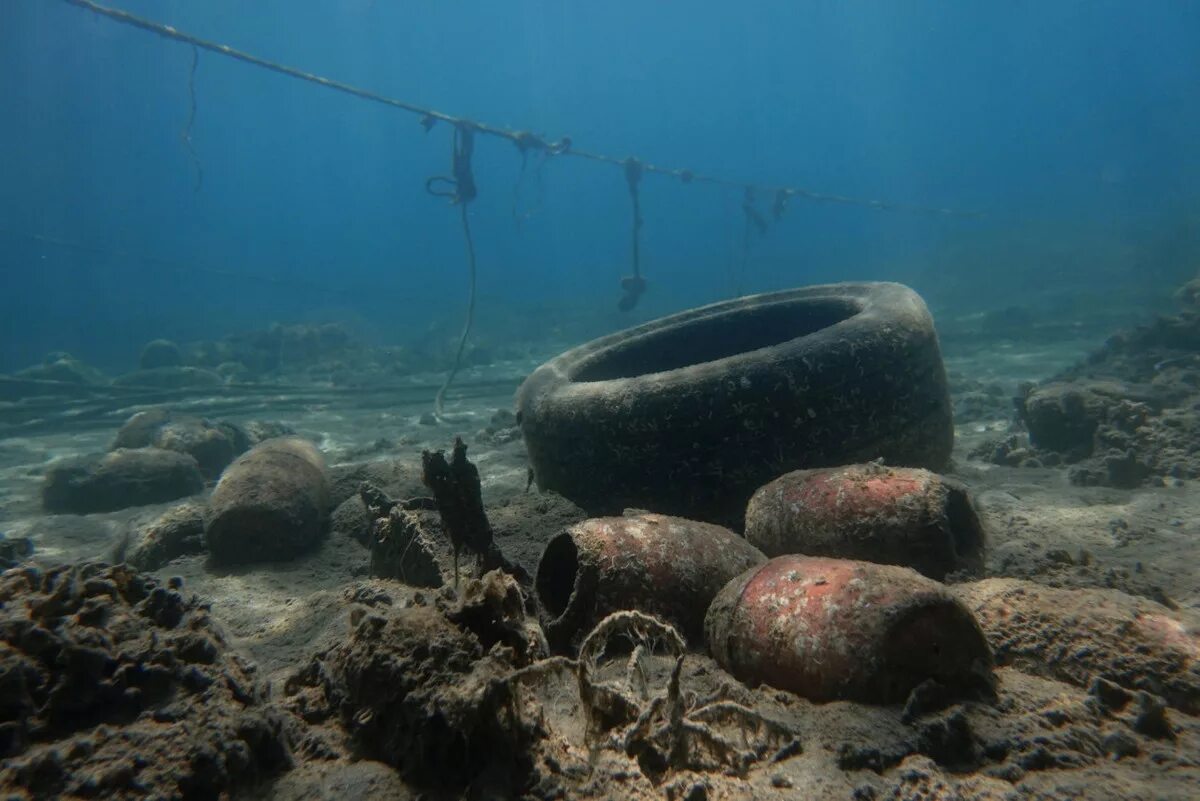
[(191, 121), (461, 191), (523, 140), (440, 398), (632, 286)]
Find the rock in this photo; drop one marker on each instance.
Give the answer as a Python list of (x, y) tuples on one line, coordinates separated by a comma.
[(235, 372), (523, 524), (501, 429), (1075, 636), (64, 368), (1189, 293), (170, 378), (160, 353), (116, 686), (118, 480), (177, 532), (257, 431), (425, 691), (13, 550), (408, 546), (139, 431), (281, 347), (1151, 717), (1065, 416), (398, 479), (1123, 469), (270, 504), (350, 519), (213, 446)]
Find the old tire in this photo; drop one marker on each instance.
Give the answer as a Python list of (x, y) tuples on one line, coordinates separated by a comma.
[(689, 414)]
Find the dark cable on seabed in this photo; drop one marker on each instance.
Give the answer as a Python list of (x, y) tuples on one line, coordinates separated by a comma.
[(522, 139)]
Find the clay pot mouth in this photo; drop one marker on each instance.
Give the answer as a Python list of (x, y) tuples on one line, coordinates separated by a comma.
[(965, 528), (724, 331), (934, 638), (557, 575)]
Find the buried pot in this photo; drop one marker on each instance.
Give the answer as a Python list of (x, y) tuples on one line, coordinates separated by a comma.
[(832, 629), (895, 516), (271, 504), (661, 565)]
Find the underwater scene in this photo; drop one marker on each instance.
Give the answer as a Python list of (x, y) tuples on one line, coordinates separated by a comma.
[(628, 400)]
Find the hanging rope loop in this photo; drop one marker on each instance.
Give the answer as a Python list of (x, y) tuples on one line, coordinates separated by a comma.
[(633, 176), (632, 286), (753, 215), (186, 134), (459, 187)]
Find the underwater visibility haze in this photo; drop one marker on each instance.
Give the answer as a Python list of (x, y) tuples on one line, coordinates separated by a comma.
[(599, 400)]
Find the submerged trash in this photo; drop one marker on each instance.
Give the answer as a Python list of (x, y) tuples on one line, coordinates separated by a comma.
[(691, 413), (660, 565), (832, 629), (895, 516), (272, 503)]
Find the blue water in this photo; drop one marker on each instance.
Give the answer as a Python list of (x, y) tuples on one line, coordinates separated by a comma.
[(1071, 125)]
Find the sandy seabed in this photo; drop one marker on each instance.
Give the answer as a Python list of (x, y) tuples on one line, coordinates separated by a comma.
[(1049, 734)]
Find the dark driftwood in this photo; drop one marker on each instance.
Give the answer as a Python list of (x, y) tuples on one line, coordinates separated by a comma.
[(455, 487)]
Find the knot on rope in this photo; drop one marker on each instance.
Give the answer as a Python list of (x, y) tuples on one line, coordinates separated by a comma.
[(526, 140), (633, 175), (460, 185)]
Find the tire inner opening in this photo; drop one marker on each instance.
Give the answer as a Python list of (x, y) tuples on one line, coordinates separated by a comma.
[(714, 337)]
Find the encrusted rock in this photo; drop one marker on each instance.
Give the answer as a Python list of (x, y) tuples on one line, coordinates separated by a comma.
[(118, 480), (177, 532), (115, 686), (427, 692), (1076, 636), (404, 546), (160, 353)]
